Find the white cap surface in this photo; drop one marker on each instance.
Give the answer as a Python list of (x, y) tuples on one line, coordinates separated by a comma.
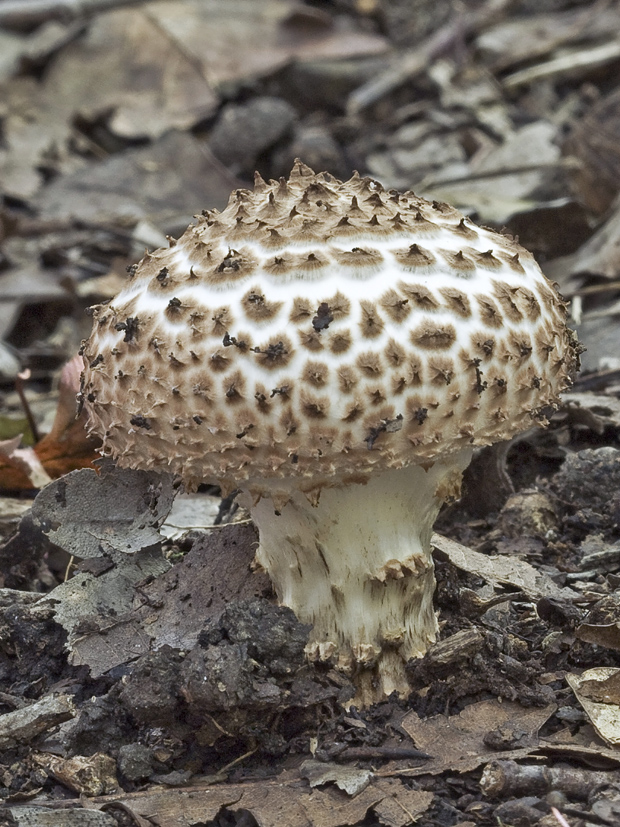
[(317, 330)]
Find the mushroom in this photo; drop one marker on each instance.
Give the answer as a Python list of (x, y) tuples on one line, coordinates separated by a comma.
[(334, 352)]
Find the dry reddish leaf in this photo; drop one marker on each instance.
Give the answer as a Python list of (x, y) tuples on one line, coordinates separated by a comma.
[(66, 448), (20, 467)]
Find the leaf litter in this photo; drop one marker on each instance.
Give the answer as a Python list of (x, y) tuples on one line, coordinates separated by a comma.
[(184, 695)]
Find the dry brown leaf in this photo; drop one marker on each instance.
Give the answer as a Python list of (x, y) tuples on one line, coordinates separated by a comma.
[(522, 38), (599, 256), (35, 124), (172, 608), (275, 805), (394, 804), (498, 569), (246, 39), (351, 780), (604, 715), (605, 691), (334, 808), (401, 805), (585, 746), (607, 635), (507, 179), (144, 80), (595, 141), (164, 181), (186, 807), (458, 743)]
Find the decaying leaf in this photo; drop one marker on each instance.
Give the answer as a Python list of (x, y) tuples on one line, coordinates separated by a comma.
[(113, 517), (607, 635), (460, 742), (497, 569), (604, 714), (401, 806), (594, 141), (159, 182), (502, 182), (27, 816), (391, 801), (599, 256), (350, 780), (146, 83), (604, 691), (250, 39), (174, 607), (115, 512), (520, 39)]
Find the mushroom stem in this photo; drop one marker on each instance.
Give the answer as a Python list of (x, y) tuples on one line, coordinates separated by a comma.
[(358, 567)]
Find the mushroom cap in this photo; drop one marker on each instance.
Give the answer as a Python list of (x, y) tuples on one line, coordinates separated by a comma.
[(318, 330)]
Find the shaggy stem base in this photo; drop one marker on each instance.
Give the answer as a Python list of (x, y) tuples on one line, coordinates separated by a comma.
[(358, 567)]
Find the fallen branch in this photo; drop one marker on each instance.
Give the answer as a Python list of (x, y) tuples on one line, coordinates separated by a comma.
[(504, 779), (414, 61)]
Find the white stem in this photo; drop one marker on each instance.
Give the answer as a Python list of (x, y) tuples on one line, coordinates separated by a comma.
[(358, 567)]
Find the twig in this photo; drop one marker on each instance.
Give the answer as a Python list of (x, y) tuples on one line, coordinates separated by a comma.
[(569, 64), (238, 760), (413, 62), (390, 753), (434, 180), (68, 569), (503, 779), (610, 286), (25, 14), (22, 377), (561, 820)]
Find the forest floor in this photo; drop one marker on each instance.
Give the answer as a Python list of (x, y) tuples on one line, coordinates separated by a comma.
[(147, 675)]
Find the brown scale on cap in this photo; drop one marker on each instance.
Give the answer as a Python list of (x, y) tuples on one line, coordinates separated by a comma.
[(414, 257), (311, 340), (340, 342), (458, 261), (395, 305), (457, 300), (257, 308)]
